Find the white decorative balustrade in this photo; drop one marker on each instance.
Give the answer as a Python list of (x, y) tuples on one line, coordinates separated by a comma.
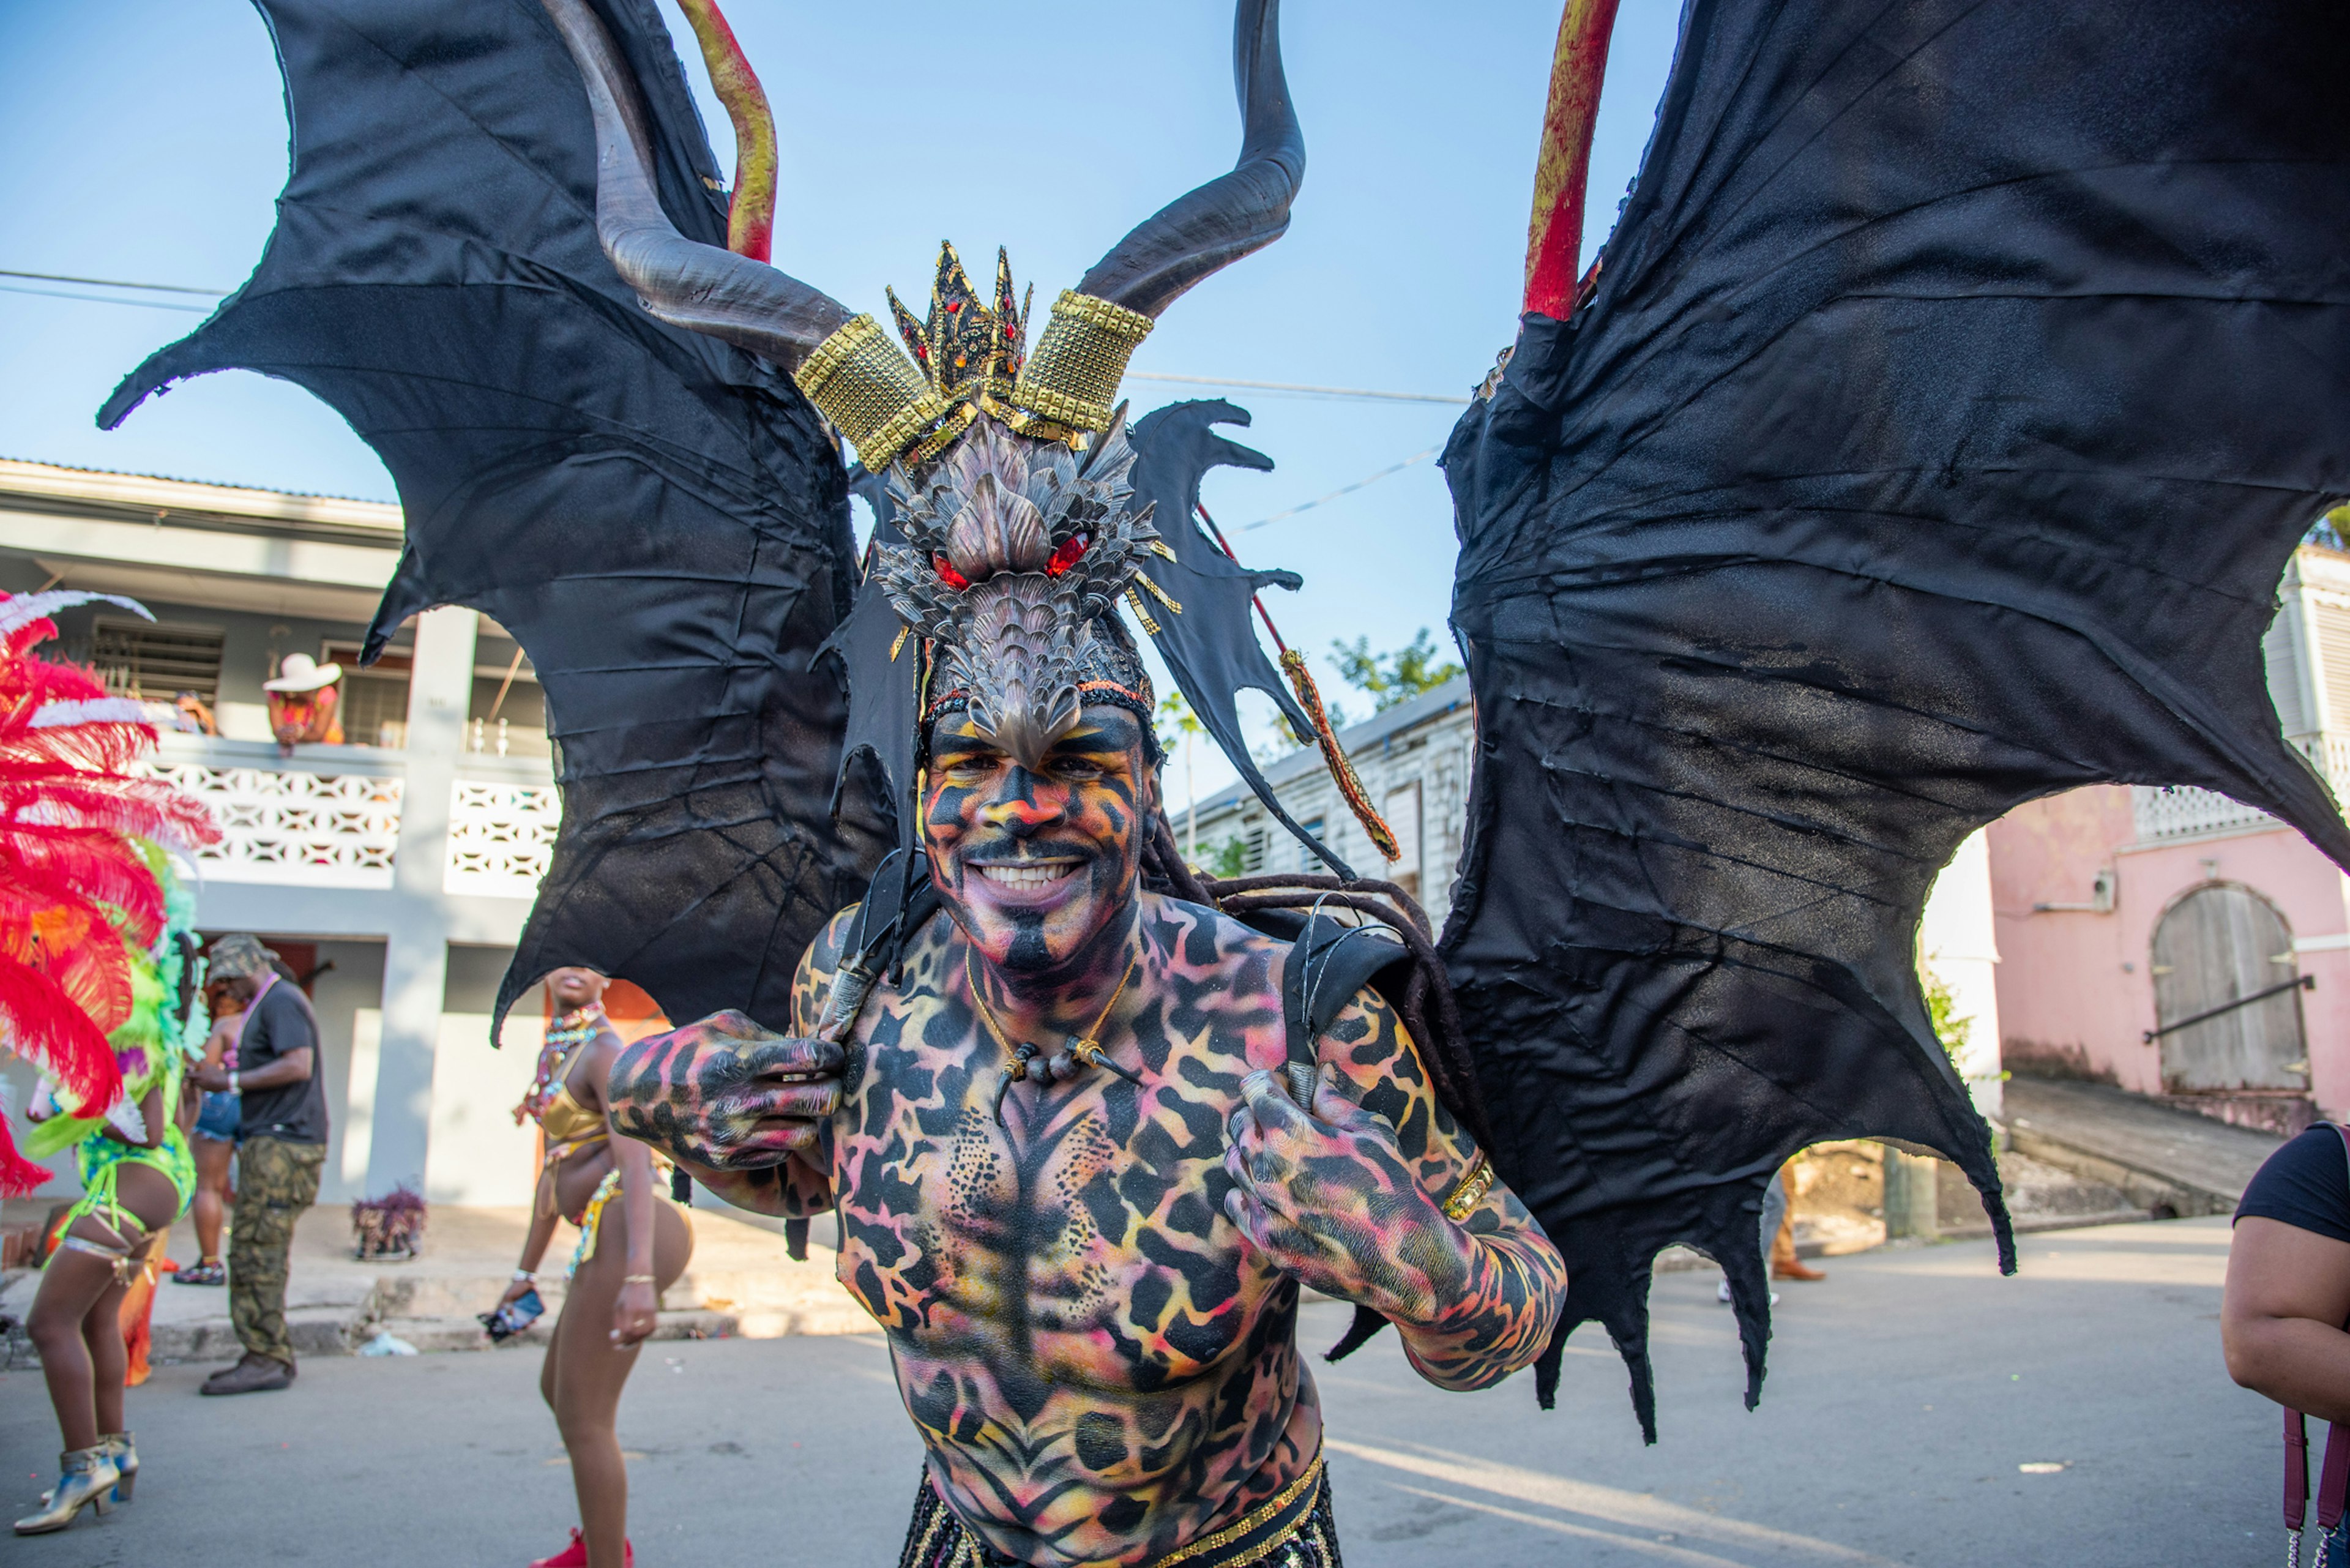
[(501, 836), (2165, 816), (293, 828)]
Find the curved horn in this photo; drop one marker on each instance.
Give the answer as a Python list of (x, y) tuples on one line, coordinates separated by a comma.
[(1232, 215), (684, 282)]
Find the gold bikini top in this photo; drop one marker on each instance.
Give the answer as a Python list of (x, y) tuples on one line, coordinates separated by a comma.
[(569, 1125)]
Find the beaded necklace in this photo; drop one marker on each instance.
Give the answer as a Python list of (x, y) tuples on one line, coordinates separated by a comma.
[(565, 1035), (1086, 1048)]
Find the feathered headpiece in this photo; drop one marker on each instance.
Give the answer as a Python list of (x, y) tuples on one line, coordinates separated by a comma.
[(79, 897)]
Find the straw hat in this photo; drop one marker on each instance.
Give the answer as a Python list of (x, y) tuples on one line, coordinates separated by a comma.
[(300, 672)]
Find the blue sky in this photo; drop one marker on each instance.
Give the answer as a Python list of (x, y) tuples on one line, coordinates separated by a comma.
[(148, 141)]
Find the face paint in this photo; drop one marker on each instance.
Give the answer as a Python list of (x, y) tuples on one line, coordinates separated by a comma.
[(1037, 866)]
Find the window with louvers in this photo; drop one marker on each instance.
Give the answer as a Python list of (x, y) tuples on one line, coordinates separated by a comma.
[(2283, 660), (2334, 653), (156, 662), (375, 708)]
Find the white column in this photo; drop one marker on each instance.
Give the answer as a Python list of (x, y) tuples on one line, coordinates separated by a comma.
[(1960, 945), (416, 952)]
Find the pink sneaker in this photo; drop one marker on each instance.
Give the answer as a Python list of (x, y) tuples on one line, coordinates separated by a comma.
[(576, 1554)]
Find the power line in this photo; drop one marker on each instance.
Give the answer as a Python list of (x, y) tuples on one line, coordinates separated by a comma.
[(1296, 387), (1132, 375), (112, 283), (101, 298), (1344, 489)]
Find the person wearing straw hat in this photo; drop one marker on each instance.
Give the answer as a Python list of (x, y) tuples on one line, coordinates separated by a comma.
[(305, 705)]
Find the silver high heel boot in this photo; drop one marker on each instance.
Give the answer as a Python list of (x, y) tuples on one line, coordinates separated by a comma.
[(86, 1479), (125, 1454)]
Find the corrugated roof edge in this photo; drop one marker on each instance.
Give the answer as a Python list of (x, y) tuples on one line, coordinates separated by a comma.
[(28, 475), (207, 483)]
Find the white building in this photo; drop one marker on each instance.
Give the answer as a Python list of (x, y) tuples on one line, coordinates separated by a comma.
[(1414, 762), (401, 867)]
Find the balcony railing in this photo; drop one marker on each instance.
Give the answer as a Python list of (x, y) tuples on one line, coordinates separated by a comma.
[(327, 825), (2167, 816), (329, 816), (500, 837)]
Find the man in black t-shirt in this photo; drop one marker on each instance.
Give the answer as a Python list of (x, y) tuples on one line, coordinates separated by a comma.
[(281, 1147)]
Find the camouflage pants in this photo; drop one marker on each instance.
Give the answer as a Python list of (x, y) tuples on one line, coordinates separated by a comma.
[(276, 1180)]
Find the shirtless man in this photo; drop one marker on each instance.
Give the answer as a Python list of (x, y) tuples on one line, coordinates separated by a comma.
[(1091, 1303)]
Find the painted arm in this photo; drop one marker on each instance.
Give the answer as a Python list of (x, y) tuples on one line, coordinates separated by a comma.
[(2281, 1318), (741, 1109), (1350, 1198)]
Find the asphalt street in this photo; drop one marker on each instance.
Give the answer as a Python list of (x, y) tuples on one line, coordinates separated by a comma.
[(1907, 1394)]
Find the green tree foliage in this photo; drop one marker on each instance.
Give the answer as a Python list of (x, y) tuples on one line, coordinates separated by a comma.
[(1396, 675), (2330, 529), (1176, 721), (1941, 1006)]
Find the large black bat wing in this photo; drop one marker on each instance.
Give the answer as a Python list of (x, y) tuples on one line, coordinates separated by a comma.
[(1959, 379), (658, 517)]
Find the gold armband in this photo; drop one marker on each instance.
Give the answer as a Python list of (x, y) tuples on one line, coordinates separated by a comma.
[(858, 379), (1072, 379), (1469, 1191)]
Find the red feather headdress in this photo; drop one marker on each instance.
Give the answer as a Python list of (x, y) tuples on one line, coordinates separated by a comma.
[(73, 889)]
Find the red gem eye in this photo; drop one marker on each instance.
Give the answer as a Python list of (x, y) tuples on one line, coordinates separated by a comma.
[(1066, 555), (947, 573)]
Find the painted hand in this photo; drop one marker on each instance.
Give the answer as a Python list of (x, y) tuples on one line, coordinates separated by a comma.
[(1329, 1199), (633, 1314), (725, 1094)]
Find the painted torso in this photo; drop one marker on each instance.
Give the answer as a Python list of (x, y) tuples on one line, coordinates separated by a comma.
[(1096, 1358)]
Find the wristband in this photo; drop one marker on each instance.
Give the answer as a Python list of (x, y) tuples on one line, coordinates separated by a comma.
[(524, 1275), (232, 1084), (637, 1279)]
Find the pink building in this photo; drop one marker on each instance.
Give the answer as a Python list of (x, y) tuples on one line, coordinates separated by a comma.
[(2128, 912)]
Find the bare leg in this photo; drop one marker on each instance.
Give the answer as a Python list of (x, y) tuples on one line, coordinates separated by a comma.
[(211, 1194), (585, 1374), (109, 1358), (77, 1311)]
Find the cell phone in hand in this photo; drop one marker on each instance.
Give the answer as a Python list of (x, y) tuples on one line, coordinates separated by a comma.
[(514, 1317)]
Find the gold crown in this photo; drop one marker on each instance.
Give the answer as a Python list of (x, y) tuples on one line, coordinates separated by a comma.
[(969, 359)]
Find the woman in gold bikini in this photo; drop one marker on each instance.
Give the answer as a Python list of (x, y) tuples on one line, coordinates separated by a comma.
[(633, 1244)]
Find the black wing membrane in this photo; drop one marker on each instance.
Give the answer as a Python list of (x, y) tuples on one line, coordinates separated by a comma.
[(658, 517), (1200, 619), (1958, 380)]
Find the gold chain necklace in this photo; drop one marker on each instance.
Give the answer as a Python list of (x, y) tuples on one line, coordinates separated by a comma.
[(1085, 1048)]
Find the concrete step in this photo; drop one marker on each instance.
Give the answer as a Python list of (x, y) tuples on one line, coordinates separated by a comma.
[(2164, 1159), (452, 1334)]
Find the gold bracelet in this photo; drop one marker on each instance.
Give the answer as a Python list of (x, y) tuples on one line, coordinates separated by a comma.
[(1471, 1192)]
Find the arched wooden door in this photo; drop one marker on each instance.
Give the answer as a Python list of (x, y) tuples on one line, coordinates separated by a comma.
[(2218, 943)]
